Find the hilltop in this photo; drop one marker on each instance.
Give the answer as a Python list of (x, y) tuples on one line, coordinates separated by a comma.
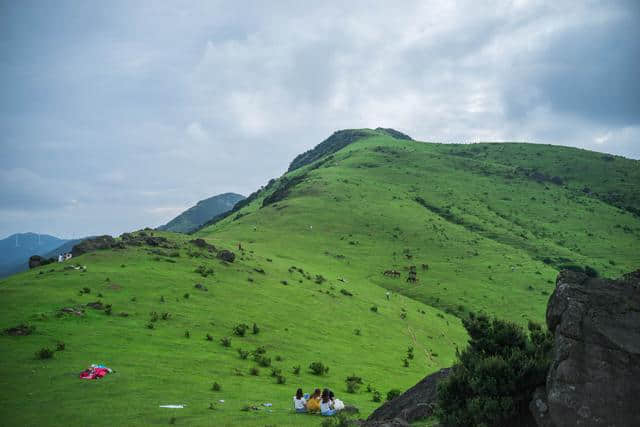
[(203, 211), (447, 229)]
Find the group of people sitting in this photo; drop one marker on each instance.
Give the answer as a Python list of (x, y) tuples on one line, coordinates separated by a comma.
[(323, 402)]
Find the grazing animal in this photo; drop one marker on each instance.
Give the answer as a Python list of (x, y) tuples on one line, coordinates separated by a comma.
[(412, 279)]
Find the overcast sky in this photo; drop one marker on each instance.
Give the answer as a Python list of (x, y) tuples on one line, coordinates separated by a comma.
[(119, 115)]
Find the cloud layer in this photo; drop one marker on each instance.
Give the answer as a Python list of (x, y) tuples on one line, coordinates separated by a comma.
[(118, 115)]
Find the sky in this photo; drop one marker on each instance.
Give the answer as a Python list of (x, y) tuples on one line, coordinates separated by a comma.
[(119, 115)]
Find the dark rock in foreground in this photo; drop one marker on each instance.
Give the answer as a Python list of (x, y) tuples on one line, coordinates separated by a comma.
[(416, 403), (594, 379)]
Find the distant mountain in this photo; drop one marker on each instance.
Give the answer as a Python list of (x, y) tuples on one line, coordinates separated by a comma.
[(202, 212), (16, 249)]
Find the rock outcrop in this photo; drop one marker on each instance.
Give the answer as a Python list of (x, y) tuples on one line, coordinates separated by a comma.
[(594, 378), (96, 243), (416, 403)]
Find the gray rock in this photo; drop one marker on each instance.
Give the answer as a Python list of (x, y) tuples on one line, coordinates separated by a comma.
[(416, 403), (594, 379)]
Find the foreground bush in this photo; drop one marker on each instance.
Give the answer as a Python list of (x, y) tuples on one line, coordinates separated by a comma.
[(492, 382)]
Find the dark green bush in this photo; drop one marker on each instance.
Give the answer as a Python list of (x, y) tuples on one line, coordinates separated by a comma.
[(254, 371), (216, 387), (226, 342), (318, 368), (393, 393), (492, 381), (255, 329), (243, 354), (376, 397), (374, 309), (240, 329), (263, 361), (281, 379), (60, 346), (276, 372), (44, 353), (296, 370)]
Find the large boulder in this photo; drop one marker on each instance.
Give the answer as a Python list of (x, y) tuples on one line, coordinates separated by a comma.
[(96, 243), (594, 378), (416, 403), (36, 261)]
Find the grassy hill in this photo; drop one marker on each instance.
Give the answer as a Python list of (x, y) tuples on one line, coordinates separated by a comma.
[(456, 228), (202, 212)]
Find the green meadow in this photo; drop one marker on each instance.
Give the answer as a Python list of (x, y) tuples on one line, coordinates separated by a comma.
[(456, 228)]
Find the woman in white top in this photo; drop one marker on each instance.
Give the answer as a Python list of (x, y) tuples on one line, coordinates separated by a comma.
[(326, 406), (299, 402)]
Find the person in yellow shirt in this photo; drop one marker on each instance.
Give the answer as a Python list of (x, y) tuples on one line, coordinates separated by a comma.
[(313, 404)]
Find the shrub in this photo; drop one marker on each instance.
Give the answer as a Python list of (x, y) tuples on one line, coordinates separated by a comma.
[(150, 325), (60, 346), (410, 353), (493, 379), (216, 387), (255, 329), (259, 350), (376, 397), (374, 308), (226, 342), (209, 337), (353, 383), (405, 363), (357, 332), (346, 292), (254, 371), (240, 329), (186, 296), (107, 310), (278, 358), (296, 370), (86, 290), (281, 379), (276, 372), (393, 393), (369, 389), (44, 353), (187, 334), (318, 368), (154, 316), (263, 361), (166, 316), (243, 354)]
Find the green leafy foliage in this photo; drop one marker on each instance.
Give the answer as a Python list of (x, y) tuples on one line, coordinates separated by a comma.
[(492, 382)]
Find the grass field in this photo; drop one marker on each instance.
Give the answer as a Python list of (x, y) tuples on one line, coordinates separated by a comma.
[(482, 227)]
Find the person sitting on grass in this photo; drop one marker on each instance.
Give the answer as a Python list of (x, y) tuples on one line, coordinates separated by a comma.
[(337, 404), (326, 406), (299, 402), (313, 404)]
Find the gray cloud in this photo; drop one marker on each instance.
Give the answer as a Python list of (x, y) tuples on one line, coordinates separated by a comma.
[(119, 115)]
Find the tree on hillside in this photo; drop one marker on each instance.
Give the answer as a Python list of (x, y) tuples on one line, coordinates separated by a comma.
[(492, 382)]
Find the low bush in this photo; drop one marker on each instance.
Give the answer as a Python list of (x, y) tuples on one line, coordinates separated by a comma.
[(281, 379), (374, 309), (263, 361), (216, 387), (393, 393), (296, 370), (243, 354), (226, 342), (318, 368), (44, 353), (240, 329), (60, 346), (254, 371), (376, 397)]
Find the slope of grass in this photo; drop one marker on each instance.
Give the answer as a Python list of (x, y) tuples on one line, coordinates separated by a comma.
[(485, 231), (300, 322)]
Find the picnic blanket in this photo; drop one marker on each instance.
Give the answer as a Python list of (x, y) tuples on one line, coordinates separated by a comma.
[(95, 372)]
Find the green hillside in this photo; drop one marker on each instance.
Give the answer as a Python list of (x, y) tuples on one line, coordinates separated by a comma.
[(455, 227), (203, 211)]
